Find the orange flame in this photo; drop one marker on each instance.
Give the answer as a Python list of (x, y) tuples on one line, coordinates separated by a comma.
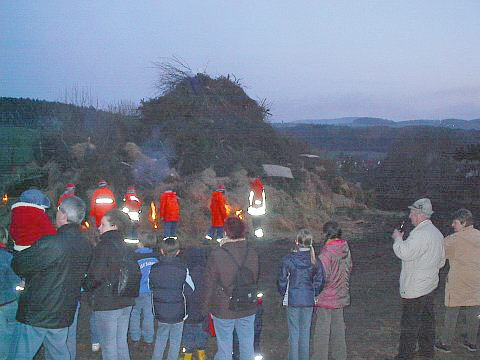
[(153, 216), (5, 199), (228, 209), (240, 214)]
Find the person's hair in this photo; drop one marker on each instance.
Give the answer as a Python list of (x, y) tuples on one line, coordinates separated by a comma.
[(332, 230), (234, 228), (305, 239), (3, 235), (119, 219), (148, 239), (74, 208), (464, 216), (170, 246)]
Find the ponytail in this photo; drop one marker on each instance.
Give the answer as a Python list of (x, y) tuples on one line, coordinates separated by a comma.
[(305, 239)]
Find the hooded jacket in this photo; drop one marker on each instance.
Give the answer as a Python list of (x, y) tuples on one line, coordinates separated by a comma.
[(462, 250), (217, 209), (29, 224), (337, 263), (299, 282), (422, 255), (169, 208), (54, 269)]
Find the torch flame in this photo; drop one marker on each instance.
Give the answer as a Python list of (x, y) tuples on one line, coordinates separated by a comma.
[(239, 214), (228, 209), (153, 216), (5, 199)]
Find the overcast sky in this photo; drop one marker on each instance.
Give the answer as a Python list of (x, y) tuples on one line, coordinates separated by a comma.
[(405, 59)]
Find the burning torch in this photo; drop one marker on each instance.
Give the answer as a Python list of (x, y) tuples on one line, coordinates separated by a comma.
[(5, 199), (153, 216)]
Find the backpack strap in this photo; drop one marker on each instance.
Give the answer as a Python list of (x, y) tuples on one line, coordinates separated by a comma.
[(236, 263)]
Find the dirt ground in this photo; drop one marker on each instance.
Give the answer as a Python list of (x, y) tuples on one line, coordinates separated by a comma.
[(373, 318)]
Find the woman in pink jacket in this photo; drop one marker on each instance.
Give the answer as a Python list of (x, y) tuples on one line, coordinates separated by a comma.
[(337, 264)]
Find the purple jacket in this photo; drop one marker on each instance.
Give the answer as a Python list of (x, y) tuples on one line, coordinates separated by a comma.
[(337, 264)]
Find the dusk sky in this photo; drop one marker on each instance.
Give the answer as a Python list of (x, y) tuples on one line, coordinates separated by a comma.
[(400, 60)]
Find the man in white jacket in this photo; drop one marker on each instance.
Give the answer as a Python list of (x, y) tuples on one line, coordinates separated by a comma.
[(422, 255)]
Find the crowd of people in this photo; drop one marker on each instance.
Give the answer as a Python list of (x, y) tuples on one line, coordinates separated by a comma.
[(188, 292)]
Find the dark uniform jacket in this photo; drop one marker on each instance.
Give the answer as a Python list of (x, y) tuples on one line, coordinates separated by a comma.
[(53, 268)]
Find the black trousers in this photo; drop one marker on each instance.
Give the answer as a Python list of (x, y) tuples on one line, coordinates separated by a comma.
[(417, 325)]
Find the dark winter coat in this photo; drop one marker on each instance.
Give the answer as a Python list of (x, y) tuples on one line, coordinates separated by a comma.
[(300, 278), (103, 273), (196, 260), (220, 275), (170, 282), (53, 268)]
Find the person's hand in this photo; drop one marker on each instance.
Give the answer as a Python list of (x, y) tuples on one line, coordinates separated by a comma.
[(397, 234)]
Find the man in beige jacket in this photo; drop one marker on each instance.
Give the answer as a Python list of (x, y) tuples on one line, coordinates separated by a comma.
[(462, 289)]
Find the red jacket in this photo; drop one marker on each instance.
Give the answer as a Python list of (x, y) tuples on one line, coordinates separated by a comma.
[(169, 208), (257, 187), (99, 209), (218, 209), (132, 202), (63, 197), (29, 224)]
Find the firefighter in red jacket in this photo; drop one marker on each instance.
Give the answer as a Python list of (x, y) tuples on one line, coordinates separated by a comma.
[(68, 193), (169, 213), (256, 205), (218, 213), (132, 204), (103, 200)]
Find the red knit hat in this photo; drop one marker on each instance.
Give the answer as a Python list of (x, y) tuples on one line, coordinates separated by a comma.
[(71, 186), (131, 190), (102, 183), (221, 188)]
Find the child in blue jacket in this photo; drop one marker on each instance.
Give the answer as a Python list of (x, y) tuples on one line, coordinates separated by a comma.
[(143, 303), (300, 280)]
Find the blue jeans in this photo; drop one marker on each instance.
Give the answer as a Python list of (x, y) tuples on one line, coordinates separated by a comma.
[(94, 337), (164, 333), (194, 337), (224, 330), (30, 338), (143, 303), (299, 321), (72, 336), (8, 328), (112, 326), (215, 232), (169, 229)]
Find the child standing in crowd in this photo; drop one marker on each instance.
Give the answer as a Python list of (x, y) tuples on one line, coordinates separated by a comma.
[(8, 297), (330, 326), (168, 280), (29, 221), (143, 303), (194, 335), (300, 280)]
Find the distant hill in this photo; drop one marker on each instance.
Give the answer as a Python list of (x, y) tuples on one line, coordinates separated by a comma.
[(371, 121)]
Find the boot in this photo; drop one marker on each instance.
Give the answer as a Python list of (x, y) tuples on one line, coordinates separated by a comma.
[(201, 355), (187, 356)]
